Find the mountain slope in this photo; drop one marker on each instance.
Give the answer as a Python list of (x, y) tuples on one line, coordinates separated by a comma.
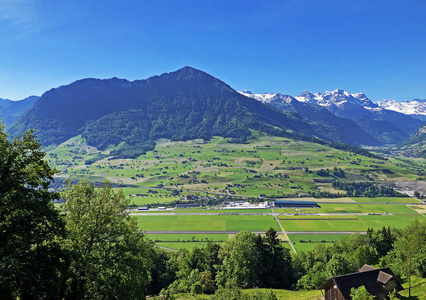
[(417, 142), (10, 110), (181, 105), (322, 121), (358, 107)]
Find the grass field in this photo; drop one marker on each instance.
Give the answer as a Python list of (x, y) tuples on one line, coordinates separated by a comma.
[(386, 200), (207, 223), (363, 222), (353, 208)]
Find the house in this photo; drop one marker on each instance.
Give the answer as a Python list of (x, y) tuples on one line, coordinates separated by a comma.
[(378, 282)]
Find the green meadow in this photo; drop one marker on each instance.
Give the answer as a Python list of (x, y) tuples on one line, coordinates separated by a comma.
[(207, 223)]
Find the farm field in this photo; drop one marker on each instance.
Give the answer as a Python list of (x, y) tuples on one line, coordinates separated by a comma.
[(352, 208), (207, 223), (360, 225), (267, 166), (386, 200), (264, 167)]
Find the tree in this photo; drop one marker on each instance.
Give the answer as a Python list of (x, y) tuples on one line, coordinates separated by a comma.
[(360, 293), (276, 271), (31, 230), (241, 262), (110, 258)]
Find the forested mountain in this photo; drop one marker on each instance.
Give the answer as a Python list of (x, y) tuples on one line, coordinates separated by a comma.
[(12, 110), (181, 105)]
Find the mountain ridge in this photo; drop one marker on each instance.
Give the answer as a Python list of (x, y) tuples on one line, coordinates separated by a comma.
[(184, 104), (384, 126)]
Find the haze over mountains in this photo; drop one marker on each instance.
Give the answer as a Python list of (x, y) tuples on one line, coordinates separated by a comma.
[(11, 110), (188, 104)]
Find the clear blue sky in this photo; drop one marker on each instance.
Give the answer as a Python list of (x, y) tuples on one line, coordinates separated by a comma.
[(377, 46)]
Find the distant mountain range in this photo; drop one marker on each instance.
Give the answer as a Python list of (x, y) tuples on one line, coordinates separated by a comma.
[(381, 125), (129, 116), (10, 110)]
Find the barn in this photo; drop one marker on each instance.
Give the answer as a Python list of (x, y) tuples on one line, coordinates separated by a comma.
[(378, 282), (295, 204)]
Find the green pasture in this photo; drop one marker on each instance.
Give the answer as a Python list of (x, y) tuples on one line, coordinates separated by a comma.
[(206, 223), (316, 217), (188, 237), (386, 200), (363, 222), (352, 208)]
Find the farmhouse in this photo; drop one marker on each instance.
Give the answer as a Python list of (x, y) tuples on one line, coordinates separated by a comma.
[(297, 204), (378, 282)]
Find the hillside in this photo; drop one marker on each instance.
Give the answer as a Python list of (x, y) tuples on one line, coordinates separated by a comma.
[(10, 110), (181, 105), (417, 142)]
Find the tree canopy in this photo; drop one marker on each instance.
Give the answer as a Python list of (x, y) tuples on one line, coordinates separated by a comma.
[(31, 230), (110, 258)]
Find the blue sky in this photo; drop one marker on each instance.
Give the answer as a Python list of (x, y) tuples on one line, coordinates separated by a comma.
[(288, 46)]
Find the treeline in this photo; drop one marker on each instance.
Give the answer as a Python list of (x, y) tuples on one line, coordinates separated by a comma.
[(354, 149), (246, 261), (252, 261), (366, 189)]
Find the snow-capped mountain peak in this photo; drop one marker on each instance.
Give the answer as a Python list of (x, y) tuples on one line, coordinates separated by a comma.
[(268, 97), (415, 107)]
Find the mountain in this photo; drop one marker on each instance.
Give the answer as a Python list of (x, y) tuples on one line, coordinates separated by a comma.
[(10, 110), (323, 122), (417, 142), (368, 115), (415, 108), (181, 105)]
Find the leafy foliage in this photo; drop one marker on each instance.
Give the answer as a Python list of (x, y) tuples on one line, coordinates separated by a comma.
[(361, 293), (110, 258), (31, 230)]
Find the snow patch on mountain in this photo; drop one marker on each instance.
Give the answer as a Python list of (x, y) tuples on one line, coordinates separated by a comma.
[(415, 107), (268, 97)]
